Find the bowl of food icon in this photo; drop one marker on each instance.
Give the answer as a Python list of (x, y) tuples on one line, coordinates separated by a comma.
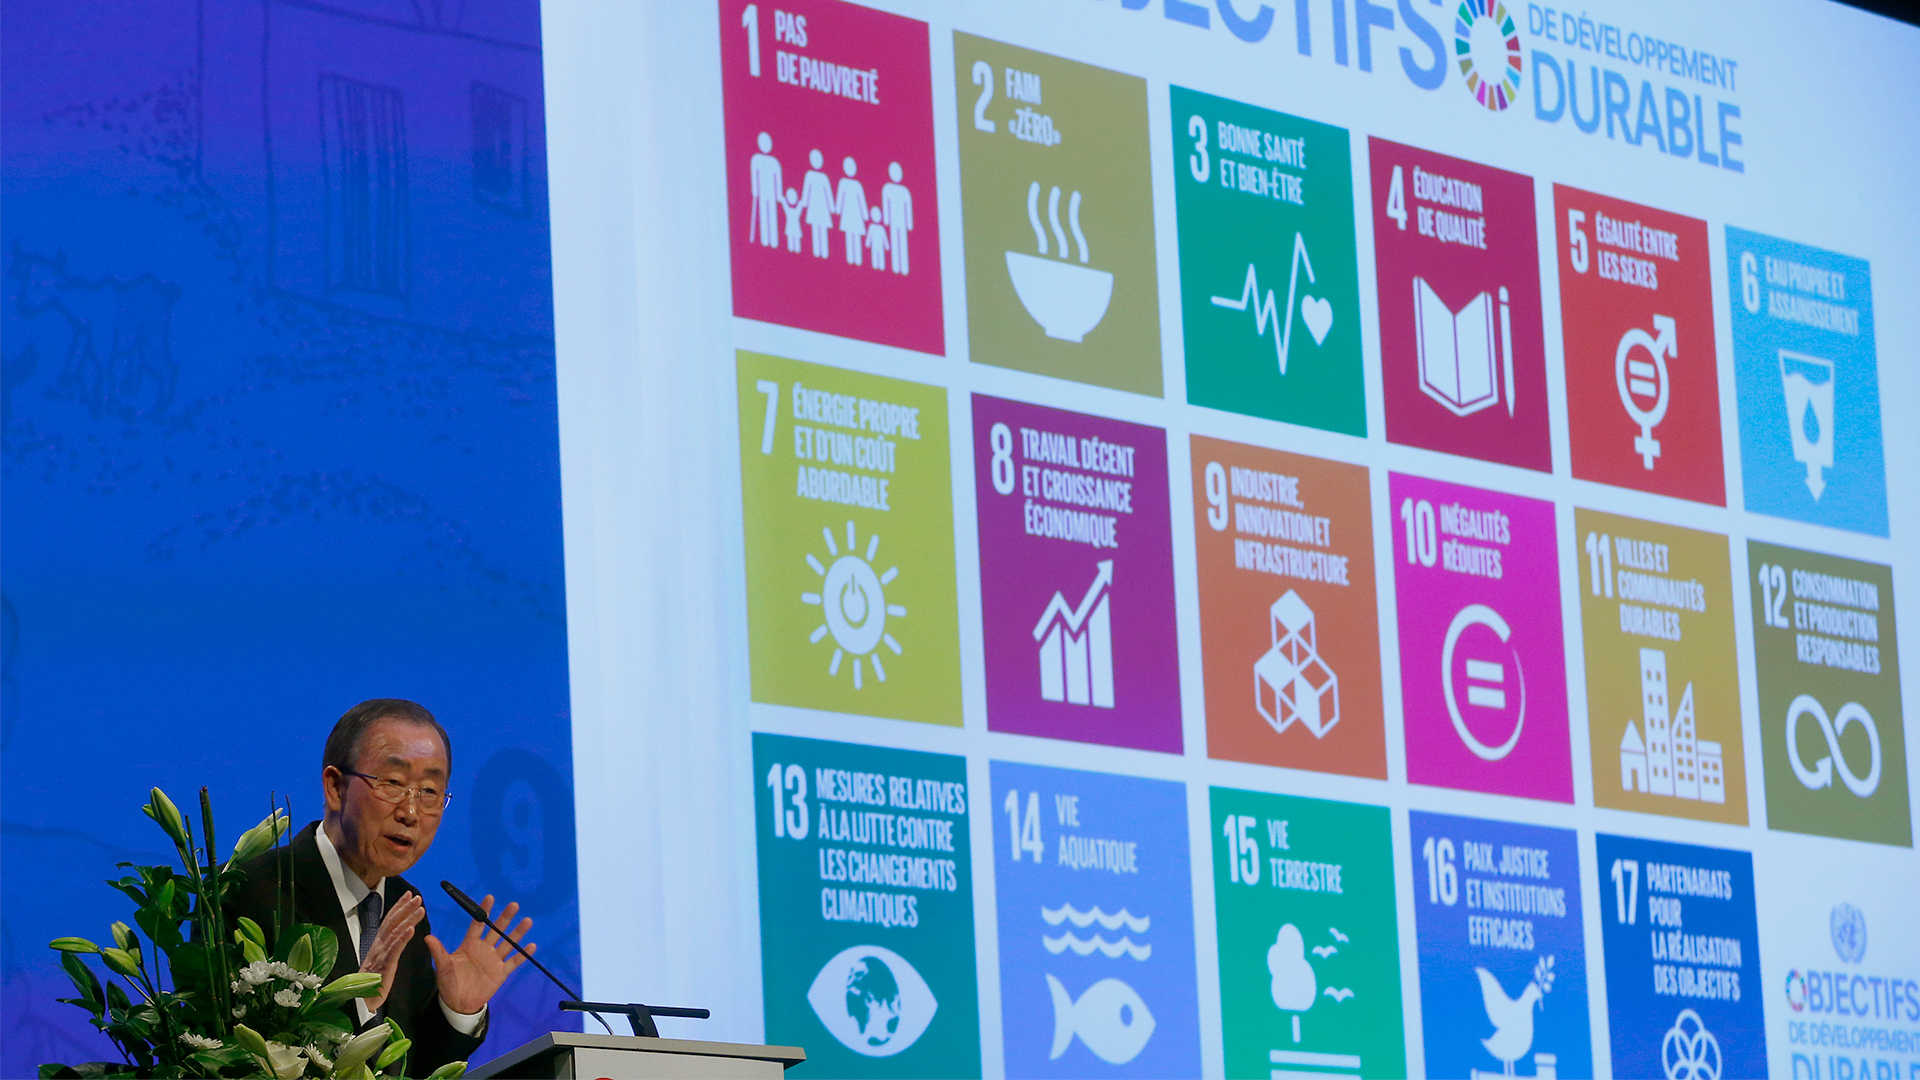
[(1066, 300)]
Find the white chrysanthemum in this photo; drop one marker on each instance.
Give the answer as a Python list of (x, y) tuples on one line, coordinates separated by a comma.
[(318, 1058), (239, 1012), (311, 981), (290, 997), (200, 1042), (258, 972)]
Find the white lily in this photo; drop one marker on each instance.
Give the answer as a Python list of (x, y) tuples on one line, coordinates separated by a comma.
[(288, 1062)]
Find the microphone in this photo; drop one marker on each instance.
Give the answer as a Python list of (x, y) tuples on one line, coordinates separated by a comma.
[(475, 912)]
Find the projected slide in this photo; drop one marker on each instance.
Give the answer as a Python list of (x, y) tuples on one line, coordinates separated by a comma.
[(1287, 540)]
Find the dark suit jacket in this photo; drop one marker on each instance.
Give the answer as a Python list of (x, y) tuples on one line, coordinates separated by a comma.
[(414, 1000)]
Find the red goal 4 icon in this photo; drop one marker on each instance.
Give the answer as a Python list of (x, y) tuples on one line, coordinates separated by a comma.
[(1636, 318)]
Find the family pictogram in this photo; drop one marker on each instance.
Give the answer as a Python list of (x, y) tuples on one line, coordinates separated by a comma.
[(872, 233)]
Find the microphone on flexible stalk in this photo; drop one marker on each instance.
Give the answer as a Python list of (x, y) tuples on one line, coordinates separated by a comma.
[(478, 914), (639, 1017)]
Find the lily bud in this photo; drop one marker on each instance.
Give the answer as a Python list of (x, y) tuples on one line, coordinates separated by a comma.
[(357, 985), (257, 840), (73, 945), (300, 957), (161, 809), (359, 1049), (121, 962), (252, 1042), (394, 1052)]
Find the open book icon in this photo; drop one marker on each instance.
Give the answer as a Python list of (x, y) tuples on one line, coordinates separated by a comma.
[(1461, 363)]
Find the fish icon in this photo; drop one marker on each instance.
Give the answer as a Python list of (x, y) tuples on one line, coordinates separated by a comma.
[(1110, 1019)]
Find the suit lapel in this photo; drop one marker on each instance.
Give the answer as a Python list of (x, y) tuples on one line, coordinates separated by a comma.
[(316, 901)]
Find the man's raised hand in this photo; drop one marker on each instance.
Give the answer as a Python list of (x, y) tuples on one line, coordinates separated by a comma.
[(469, 976), (396, 929)]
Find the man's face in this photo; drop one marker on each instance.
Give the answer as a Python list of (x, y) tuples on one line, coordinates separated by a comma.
[(380, 837)]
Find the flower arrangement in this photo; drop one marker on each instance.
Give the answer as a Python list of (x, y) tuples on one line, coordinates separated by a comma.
[(221, 1000)]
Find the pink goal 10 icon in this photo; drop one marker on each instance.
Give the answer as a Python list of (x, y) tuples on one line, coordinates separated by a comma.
[(1483, 673), (831, 208)]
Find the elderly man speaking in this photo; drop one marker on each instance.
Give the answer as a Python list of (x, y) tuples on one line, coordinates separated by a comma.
[(384, 774)]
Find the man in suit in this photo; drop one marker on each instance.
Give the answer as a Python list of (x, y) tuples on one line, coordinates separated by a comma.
[(384, 775)]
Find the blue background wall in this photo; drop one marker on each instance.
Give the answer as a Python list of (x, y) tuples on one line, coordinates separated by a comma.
[(279, 435)]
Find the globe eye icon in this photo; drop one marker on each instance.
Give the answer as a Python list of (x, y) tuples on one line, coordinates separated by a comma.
[(853, 604)]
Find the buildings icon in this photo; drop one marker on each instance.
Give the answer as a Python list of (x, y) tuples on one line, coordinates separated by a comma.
[(1291, 683), (1076, 645), (1671, 760)]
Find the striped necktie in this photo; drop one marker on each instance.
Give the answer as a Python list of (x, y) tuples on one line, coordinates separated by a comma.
[(371, 910)]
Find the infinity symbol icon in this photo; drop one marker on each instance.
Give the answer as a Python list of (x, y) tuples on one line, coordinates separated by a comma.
[(1821, 774)]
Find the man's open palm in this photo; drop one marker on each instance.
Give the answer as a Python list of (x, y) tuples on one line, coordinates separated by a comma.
[(469, 976), (395, 931)]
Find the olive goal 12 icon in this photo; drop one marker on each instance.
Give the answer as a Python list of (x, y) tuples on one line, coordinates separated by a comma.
[(1833, 736)]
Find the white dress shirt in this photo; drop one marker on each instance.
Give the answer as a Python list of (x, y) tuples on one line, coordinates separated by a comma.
[(351, 891)]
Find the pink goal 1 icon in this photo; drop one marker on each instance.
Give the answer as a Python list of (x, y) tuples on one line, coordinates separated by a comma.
[(832, 214)]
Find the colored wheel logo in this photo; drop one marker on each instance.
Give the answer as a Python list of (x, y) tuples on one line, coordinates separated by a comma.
[(1495, 89)]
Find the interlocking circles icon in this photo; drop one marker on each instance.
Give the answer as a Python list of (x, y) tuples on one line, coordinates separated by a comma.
[(1821, 773), (1689, 1051), (1482, 672)]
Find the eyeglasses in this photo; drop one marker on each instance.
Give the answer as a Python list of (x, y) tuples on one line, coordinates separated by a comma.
[(429, 800)]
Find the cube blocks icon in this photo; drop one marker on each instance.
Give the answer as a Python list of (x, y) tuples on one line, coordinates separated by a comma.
[(1290, 682)]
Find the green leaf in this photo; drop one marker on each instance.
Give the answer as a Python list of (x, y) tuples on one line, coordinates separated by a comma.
[(326, 951), (452, 1070), (314, 1017), (192, 965), (73, 945), (131, 888), (117, 999), (394, 1052), (222, 1058), (139, 1024), (252, 930), (83, 978), (159, 924)]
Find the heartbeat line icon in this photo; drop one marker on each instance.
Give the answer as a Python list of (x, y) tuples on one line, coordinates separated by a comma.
[(1316, 312)]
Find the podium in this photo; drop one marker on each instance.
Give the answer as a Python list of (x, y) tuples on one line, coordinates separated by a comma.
[(574, 1055)]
